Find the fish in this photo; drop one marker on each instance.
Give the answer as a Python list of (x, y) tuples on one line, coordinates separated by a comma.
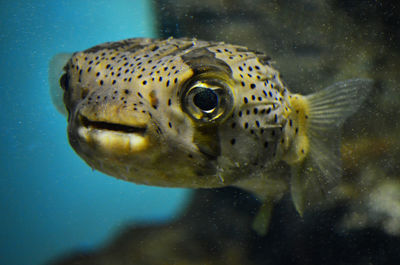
[(183, 112)]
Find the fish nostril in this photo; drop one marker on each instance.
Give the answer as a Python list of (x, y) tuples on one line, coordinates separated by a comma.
[(84, 93), (64, 81)]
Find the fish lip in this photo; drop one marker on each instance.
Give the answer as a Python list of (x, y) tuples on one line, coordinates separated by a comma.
[(107, 138), (110, 126)]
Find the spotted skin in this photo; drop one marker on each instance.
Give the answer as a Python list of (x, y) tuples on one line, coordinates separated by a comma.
[(199, 114)]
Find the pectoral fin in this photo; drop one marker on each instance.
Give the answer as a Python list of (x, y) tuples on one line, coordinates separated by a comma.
[(320, 167)]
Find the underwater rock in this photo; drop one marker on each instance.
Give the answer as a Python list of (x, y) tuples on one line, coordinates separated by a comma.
[(216, 229)]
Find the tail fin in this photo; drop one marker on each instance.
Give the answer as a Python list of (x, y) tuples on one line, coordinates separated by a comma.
[(327, 111), (56, 69)]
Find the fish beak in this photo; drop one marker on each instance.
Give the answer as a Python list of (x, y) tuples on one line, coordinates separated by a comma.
[(113, 138)]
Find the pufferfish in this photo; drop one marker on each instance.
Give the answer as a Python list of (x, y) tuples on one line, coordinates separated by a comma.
[(202, 114)]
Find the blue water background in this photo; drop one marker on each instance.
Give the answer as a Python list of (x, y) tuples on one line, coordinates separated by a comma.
[(51, 202)]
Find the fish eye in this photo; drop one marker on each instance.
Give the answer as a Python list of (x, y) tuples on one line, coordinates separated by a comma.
[(64, 82), (207, 100)]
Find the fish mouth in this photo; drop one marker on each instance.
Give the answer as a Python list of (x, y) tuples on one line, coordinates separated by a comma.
[(109, 126), (112, 137)]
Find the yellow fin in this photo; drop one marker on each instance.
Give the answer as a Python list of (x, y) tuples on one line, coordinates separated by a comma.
[(305, 187), (263, 218), (313, 176), (56, 69)]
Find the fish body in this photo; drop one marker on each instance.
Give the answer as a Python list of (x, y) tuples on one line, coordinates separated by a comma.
[(199, 114)]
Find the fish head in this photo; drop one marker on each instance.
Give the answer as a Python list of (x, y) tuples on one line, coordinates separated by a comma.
[(169, 112)]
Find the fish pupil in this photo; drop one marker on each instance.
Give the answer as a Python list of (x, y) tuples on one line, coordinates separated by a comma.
[(206, 99)]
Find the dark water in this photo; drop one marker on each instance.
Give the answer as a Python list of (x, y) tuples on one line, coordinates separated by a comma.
[(50, 201), (315, 44)]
